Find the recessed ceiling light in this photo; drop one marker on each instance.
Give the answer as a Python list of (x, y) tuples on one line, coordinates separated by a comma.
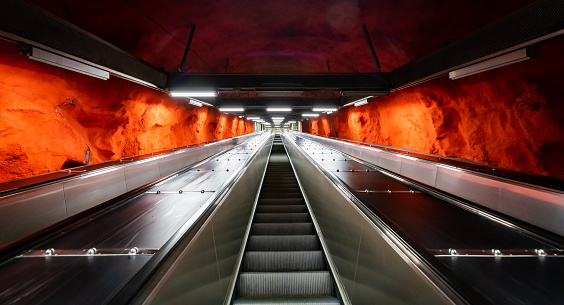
[(324, 109), (274, 109), (310, 115), (193, 93), (233, 109)]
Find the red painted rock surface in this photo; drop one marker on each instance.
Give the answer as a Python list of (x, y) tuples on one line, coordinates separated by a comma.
[(49, 116), (511, 117)]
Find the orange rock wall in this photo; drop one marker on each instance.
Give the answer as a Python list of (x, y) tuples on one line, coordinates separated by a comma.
[(50, 115), (511, 117)]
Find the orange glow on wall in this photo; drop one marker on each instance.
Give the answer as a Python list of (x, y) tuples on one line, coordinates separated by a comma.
[(512, 117), (49, 116)]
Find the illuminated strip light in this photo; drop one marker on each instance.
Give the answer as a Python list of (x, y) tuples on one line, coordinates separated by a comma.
[(496, 62), (253, 118), (359, 101), (237, 109), (195, 102), (193, 93), (456, 169), (278, 118), (67, 63), (279, 109), (324, 109), (310, 115)]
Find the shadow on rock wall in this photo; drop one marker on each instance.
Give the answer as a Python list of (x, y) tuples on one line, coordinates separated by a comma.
[(50, 118), (512, 117)]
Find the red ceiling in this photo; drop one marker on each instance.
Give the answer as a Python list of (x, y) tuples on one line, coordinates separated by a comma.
[(274, 36)]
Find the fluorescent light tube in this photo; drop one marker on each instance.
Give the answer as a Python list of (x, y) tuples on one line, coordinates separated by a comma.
[(490, 64), (253, 118), (310, 115), (277, 118), (235, 109), (67, 63), (361, 102), (321, 109), (195, 102), (271, 109), (193, 93)]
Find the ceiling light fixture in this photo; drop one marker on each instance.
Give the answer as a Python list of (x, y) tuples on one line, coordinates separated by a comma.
[(359, 101), (277, 118), (253, 118), (272, 109), (193, 93), (235, 109), (195, 102), (67, 63), (310, 115), (496, 62), (323, 109)]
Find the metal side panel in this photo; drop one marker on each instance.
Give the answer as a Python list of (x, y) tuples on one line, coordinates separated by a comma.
[(477, 189), (170, 164), (420, 171), (143, 173), (390, 162), (86, 192), (24, 213), (372, 268), (203, 272), (533, 205)]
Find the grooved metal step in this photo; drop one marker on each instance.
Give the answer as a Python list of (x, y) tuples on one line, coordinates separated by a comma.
[(281, 201), (285, 284), (264, 261), (282, 229), (289, 301), (281, 195), (283, 243), (281, 217), (300, 208)]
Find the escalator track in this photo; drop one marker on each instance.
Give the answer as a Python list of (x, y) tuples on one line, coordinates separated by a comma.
[(283, 262)]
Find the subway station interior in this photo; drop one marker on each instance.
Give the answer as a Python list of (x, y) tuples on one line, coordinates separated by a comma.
[(281, 152)]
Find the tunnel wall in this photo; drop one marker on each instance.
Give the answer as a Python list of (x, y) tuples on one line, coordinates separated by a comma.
[(511, 117), (49, 116)]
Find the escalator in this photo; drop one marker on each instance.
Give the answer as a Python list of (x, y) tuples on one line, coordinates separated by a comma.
[(283, 262)]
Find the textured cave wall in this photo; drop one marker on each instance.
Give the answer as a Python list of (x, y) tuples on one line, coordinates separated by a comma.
[(49, 116), (512, 117)]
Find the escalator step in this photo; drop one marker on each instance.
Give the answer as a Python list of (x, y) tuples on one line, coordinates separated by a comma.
[(301, 208), (282, 229), (283, 243), (288, 301), (281, 201), (264, 261), (281, 217), (285, 284), (281, 195)]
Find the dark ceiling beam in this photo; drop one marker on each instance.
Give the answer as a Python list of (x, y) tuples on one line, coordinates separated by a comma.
[(345, 83), (534, 23), (30, 25)]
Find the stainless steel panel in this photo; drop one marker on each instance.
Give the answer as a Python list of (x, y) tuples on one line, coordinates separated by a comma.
[(88, 191), (206, 268), (383, 277), (194, 278), (477, 189), (419, 170), (371, 268), (142, 173), (390, 162), (169, 164), (541, 208), (24, 213)]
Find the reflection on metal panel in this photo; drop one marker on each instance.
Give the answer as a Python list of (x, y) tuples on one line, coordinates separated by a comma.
[(205, 270), (477, 189), (143, 173), (170, 164), (86, 192), (533, 205), (390, 162), (372, 269), (24, 213), (420, 171)]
